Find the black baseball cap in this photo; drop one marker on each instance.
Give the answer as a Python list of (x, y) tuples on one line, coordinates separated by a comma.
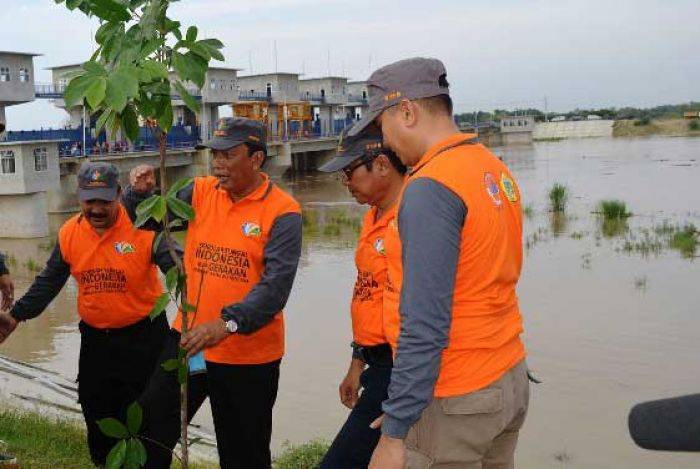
[(233, 131), (406, 79), (98, 181), (366, 143)]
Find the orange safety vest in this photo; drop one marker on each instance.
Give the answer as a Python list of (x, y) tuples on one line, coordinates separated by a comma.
[(370, 258), (117, 279), (484, 337), (225, 247)]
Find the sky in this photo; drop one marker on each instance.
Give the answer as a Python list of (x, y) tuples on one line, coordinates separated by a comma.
[(498, 53)]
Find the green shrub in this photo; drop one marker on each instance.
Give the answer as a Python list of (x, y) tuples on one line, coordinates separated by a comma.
[(306, 456), (694, 125), (685, 240), (613, 210)]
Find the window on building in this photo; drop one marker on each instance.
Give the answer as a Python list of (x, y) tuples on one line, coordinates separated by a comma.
[(4, 74), (233, 85), (7, 161), (24, 74), (40, 159), (212, 84), (364, 94)]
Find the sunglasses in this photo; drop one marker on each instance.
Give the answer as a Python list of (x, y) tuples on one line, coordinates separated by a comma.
[(346, 173)]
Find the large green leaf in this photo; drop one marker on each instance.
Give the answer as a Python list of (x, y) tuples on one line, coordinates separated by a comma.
[(200, 50), (146, 207), (180, 208), (134, 417), (116, 457), (212, 49), (171, 279), (110, 10), (191, 34), (156, 69), (116, 95), (189, 100), (159, 306), (213, 43), (73, 4), (113, 427), (106, 31), (102, 120), (130, 122), (159, 209), (95, 93), (94, 68), (165, 118), (135, 453), (75, 91), (190, 67), (178, 186)]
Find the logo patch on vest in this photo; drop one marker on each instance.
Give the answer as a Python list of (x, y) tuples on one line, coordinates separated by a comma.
[(508, 187), (379, 246), (124, 248), (492, 189), (251, 230)]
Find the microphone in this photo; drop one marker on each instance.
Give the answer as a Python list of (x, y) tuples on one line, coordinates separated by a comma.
[(667, 424)]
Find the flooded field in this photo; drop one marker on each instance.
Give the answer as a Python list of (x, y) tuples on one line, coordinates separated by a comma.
[(610, 308)]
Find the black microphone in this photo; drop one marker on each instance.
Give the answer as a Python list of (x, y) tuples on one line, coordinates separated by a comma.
[(667, 424)]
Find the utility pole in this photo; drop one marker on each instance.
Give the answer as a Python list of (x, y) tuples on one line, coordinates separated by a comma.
[(545, 108)]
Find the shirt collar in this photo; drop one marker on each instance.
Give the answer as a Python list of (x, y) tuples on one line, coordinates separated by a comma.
[(442, 145)]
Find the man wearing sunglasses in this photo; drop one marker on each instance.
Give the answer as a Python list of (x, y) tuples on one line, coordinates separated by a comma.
[(374, 176)]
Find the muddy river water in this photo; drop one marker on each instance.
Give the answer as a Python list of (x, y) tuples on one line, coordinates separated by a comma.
[(612, 317)]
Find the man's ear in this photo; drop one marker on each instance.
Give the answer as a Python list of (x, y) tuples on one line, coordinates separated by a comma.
[(258, 159)]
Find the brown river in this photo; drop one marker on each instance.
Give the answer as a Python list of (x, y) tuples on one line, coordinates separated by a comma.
[(612, 316)]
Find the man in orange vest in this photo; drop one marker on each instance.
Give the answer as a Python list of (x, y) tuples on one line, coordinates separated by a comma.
[(374, 175), (114, 266), (7, 288), (459, 389), (241, 257)]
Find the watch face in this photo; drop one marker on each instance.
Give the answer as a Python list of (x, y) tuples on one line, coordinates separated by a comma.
[(231, 326)]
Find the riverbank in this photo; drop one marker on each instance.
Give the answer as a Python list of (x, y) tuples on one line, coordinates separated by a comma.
[(41, 442), (664, 127)]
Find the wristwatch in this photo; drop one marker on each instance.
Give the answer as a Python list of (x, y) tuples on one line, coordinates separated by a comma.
[(231, 326)]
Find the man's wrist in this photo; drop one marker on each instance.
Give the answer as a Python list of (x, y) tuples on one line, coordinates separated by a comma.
[(230, 325), (394, 428)]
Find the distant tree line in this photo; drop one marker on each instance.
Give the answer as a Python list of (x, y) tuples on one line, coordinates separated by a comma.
[(667, 111)]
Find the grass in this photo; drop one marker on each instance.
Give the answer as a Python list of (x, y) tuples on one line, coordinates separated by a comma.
[(613, 209), (674, 127), (528, 211), (694, 125), (306, 456), (548, 139), (558, 197), (685, 240), (40, 442), (32, 265)]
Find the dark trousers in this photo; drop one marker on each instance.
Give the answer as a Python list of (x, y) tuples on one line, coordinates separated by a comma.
[(355, 442), (113, 370), (241, 397)]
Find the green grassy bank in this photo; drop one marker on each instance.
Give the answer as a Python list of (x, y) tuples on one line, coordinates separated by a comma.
[(40, 442), (666, 127)]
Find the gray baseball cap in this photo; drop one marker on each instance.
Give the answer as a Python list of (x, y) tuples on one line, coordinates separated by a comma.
[(406, 79), (367, 143), (233, 131), (98, 181)]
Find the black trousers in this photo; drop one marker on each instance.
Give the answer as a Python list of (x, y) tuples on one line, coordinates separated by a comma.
[(241, 397), (352, 448), (114, 368)]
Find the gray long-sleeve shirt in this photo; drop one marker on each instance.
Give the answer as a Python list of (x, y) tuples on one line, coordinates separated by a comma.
[(431, 219), (48, 284), (280, 257)]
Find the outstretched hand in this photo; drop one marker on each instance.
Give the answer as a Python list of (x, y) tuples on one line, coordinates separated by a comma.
[(7, 292), (7, 325)]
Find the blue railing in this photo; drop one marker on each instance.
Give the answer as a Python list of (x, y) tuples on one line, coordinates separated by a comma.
[(357, 98), (254, 96), (49, 90), (312, 97)]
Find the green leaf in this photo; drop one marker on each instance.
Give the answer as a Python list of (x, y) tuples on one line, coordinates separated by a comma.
[(159, 209), (171, 279), (113, 427), (181, 353), (134, 417), (175, 224), (106, 31), (130, 122), (116, 457), (110, 10), (179, 208), (73, 4), (159, 306), (191, 34), (165, 119), (94, 68), (150, 47), (116, 95), (135, 453), (170, 365), (213, 43), (201, 51), (190, 67), (156, 69), (129, 74), (75, 91), (178, 186), (102, 121), (185, 306), (189, 100), (146, 207), (95, 93)]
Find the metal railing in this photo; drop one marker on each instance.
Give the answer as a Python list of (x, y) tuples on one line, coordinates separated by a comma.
[(49, 90), (253, 96)]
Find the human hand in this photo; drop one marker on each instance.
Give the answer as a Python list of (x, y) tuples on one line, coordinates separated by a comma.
[(349, 388), (203, 336), (7, 290)]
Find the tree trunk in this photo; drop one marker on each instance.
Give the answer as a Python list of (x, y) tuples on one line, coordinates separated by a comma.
[(184, 457)]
